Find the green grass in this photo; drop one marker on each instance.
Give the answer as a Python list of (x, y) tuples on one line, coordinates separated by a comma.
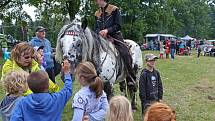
[(189, 87)]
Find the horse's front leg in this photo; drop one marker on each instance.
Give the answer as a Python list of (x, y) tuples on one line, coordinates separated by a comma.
[(132, 94), (108, 89), (122, 87), (132, 89)]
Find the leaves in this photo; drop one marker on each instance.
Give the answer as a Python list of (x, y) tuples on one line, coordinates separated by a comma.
[(179, 17)]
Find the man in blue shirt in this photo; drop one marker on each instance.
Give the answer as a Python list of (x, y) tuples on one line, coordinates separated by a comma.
[(40, 40)]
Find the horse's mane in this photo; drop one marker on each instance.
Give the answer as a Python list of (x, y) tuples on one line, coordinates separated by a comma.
[(92, 43), (59, 53)]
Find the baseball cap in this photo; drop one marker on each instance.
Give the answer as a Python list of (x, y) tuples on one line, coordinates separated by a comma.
[(150, 56), (40, 29), (36, 48)]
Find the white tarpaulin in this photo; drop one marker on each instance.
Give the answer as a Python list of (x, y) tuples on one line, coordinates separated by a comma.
[(187, 37), (156, 35)]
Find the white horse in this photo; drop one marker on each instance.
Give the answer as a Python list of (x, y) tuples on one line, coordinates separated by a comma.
[(78, 44)]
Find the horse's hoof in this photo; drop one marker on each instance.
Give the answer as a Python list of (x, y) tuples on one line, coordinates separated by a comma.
[(134, 108), (134, 111)]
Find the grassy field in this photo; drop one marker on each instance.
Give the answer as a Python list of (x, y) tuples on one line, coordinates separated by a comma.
[(189, 87)]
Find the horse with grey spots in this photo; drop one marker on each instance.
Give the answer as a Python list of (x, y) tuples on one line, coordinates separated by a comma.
[(79, 44)]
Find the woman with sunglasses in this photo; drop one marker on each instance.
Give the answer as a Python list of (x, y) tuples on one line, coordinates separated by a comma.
[(22, 58)]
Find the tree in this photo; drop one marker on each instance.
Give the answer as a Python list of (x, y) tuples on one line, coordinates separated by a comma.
[(179, 17), (212, 17), (50, 13)]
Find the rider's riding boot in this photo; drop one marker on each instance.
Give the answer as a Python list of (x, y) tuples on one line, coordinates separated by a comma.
[(126, 57)]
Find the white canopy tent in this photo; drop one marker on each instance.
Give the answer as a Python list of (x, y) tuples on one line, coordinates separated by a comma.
[(158, 37), (155, 35), (187, 37), (153, 40)]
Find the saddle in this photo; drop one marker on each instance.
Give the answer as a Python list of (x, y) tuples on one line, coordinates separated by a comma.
[(125, 54)]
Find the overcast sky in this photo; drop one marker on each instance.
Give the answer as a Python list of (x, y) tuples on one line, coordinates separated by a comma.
[(30, 10)]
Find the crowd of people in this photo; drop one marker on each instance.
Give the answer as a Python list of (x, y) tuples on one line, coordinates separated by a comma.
[(89, 103), (32, 94), (171, 47)]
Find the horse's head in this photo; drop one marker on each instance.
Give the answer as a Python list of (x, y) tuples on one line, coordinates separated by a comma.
[(69, 43)]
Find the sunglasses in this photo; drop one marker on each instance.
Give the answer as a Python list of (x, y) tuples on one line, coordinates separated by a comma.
[(27, 57)]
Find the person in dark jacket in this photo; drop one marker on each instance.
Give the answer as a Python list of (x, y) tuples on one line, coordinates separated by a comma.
[(108, 25), (150, 85)]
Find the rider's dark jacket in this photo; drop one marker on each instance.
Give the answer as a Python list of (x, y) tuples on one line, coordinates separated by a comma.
[(108, 18)]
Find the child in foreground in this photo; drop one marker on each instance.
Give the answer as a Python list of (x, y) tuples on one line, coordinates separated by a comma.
[(90, 102), (15, 84), (41, 105), (119, 109), (160, 112)]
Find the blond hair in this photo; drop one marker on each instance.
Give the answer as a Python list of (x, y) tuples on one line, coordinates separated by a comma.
[(160, 112), (15, 82), (119, 109), (21, 48), (88, 71)]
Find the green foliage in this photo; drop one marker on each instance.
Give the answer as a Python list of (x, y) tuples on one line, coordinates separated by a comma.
[(180, 17)]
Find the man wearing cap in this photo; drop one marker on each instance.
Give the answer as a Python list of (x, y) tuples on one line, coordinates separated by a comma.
[(150, 84), (40, 40)]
